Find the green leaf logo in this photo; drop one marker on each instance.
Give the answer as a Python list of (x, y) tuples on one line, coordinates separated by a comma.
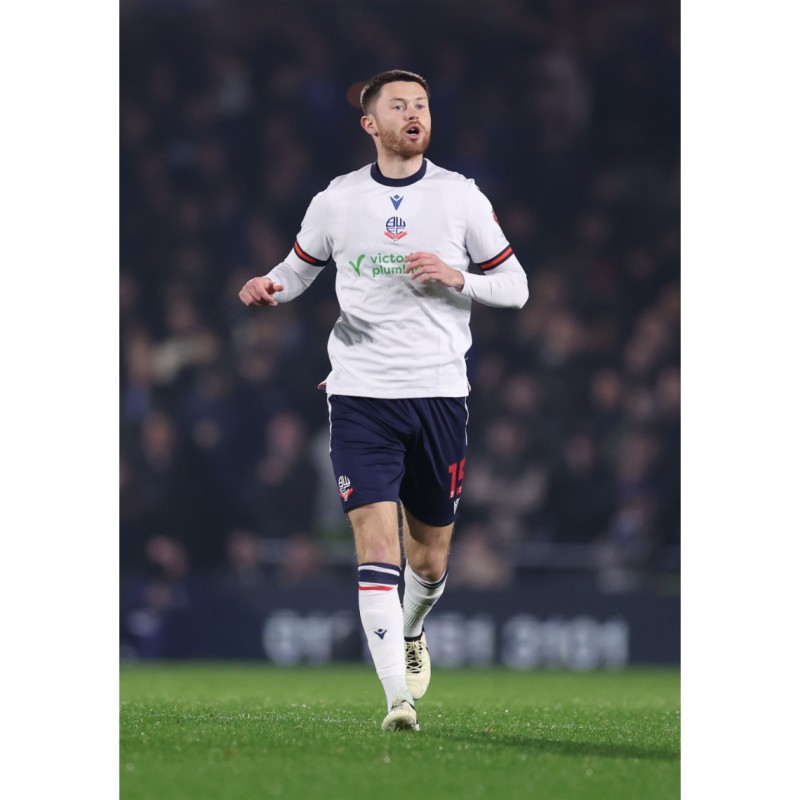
[(356, 265)]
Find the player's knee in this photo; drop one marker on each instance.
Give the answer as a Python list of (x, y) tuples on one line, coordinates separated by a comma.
[(430, 567)]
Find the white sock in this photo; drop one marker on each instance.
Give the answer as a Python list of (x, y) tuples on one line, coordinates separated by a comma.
[(382, 620), (419, 598)]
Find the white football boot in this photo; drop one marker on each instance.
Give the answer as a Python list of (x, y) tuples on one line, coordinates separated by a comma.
[(402, 717), (418, 667)]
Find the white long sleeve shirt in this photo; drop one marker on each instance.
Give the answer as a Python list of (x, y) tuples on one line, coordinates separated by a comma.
[(397, 338)]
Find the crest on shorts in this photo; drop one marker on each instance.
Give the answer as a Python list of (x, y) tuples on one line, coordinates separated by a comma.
[(344, 487)]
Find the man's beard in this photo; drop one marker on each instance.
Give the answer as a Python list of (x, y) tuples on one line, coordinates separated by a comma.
[(398, 144)]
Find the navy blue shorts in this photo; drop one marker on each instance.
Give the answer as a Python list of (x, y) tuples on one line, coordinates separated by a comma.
[(412, 450)]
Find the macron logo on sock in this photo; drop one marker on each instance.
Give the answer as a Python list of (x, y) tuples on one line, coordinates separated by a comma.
[(380, 633)]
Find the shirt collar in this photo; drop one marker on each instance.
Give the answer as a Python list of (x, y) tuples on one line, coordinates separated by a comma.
[(378, 176)]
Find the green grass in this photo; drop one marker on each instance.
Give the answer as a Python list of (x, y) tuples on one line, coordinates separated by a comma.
[(198, 732)]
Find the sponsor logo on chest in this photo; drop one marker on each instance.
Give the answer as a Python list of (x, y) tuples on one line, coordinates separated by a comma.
[(379, 264)]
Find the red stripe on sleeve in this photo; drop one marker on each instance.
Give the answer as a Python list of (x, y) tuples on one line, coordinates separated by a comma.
[(497, 260), (315, 262)]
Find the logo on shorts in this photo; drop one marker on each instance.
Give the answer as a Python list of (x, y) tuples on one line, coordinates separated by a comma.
[(395, 228), (344, 487)]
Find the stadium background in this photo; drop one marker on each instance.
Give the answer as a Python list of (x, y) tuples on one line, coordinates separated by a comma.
[(567, 115)]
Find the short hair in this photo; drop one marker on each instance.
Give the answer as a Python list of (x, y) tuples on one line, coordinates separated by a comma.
[(374, 85)]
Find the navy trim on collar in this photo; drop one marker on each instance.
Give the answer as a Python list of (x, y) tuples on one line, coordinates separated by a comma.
[(378, 176)]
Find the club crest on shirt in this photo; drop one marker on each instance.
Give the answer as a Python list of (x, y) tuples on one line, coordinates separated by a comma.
[(395, 228), (345, 490)]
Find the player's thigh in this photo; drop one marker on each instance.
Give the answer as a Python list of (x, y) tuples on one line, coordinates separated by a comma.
[(435, 465), (367, 452)]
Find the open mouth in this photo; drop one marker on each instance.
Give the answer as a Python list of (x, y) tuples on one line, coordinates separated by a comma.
[(414, 131)]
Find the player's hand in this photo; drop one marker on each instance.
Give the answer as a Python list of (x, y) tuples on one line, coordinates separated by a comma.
[(429, 267), (259, 291)]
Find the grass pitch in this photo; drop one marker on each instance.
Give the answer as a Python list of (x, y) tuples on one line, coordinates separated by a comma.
[(210, 731)]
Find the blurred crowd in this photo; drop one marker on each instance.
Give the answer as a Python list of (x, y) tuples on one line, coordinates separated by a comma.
[(233, 115)]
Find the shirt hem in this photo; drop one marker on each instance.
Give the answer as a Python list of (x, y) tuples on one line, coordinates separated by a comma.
[(397, 394)]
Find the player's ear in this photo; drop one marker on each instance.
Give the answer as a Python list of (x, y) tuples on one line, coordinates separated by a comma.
[(368, 124)]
